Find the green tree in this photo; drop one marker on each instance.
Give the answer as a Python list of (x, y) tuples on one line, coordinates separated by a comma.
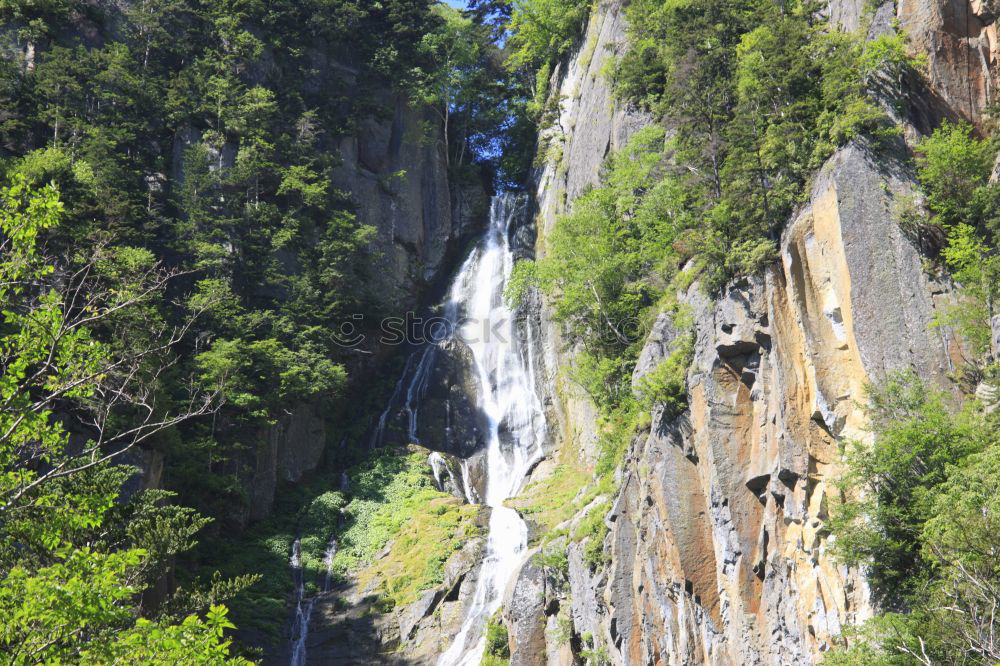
[(921, 515), (543, 30), (453, 48), (954, 170), (71, 565), (953, 167), (887, 485)]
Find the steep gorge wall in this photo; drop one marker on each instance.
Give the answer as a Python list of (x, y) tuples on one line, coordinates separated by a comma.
[(717, 544), (392, 164), (716, 536), (396, 171), (959, 39), (589, 125), (397, 176)]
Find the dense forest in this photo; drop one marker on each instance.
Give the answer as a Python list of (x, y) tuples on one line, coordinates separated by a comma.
[(176, 254), (180, 246)]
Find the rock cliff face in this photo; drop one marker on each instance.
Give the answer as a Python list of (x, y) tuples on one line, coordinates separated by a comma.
[(959, 38), (350, 628), (397, 176), (398, 179), (285, 451), (590, 124), (716, 541), (717, 546)]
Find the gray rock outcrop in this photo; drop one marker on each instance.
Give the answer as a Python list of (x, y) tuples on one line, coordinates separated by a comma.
[(589, 124), (349, 628), (398, 179), (656, 348)]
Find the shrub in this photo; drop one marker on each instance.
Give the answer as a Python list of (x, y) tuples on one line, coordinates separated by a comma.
[(544, 30), (497, 641), (954, 169)]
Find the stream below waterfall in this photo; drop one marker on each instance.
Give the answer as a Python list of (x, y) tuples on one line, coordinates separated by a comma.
[(304, 606)]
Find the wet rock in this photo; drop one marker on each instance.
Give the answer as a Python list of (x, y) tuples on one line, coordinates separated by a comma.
[(349, 627), (447, 470), (524, 615), (450, 419), (433, 633), (522, 239)]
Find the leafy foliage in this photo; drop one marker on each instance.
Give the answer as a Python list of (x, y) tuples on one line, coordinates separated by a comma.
[(544, 30), (497, 650), (593, 530), (394, 499), (195, 149), (920, 504), (920, 513), (751, 98), (759, 95), (666, 384), (916, 438), (75, 553), (954, 167)]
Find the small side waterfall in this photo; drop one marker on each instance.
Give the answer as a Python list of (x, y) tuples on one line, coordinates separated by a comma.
[(411, 385), (303, 606), (378, 434)]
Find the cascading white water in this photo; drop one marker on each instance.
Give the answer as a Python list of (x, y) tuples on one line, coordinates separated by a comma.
[(513, 410), (476, 313), (303, 606)]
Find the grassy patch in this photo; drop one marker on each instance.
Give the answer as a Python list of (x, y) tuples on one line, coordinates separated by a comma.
[(388, 494), (433, 529), (593, 528), (391, 498), (549, 501)]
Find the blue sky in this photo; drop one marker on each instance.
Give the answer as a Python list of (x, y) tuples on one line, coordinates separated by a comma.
[(458, 4)]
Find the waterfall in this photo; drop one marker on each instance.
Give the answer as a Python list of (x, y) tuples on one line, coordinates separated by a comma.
[(514, 413), (303, 606), (439, 467), (502, 353), (378, 435)]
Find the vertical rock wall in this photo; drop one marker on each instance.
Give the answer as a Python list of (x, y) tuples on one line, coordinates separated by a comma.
[(717, 544), (397, 175), (959, 39), (716, 536), (589, 125), (395, 172)]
